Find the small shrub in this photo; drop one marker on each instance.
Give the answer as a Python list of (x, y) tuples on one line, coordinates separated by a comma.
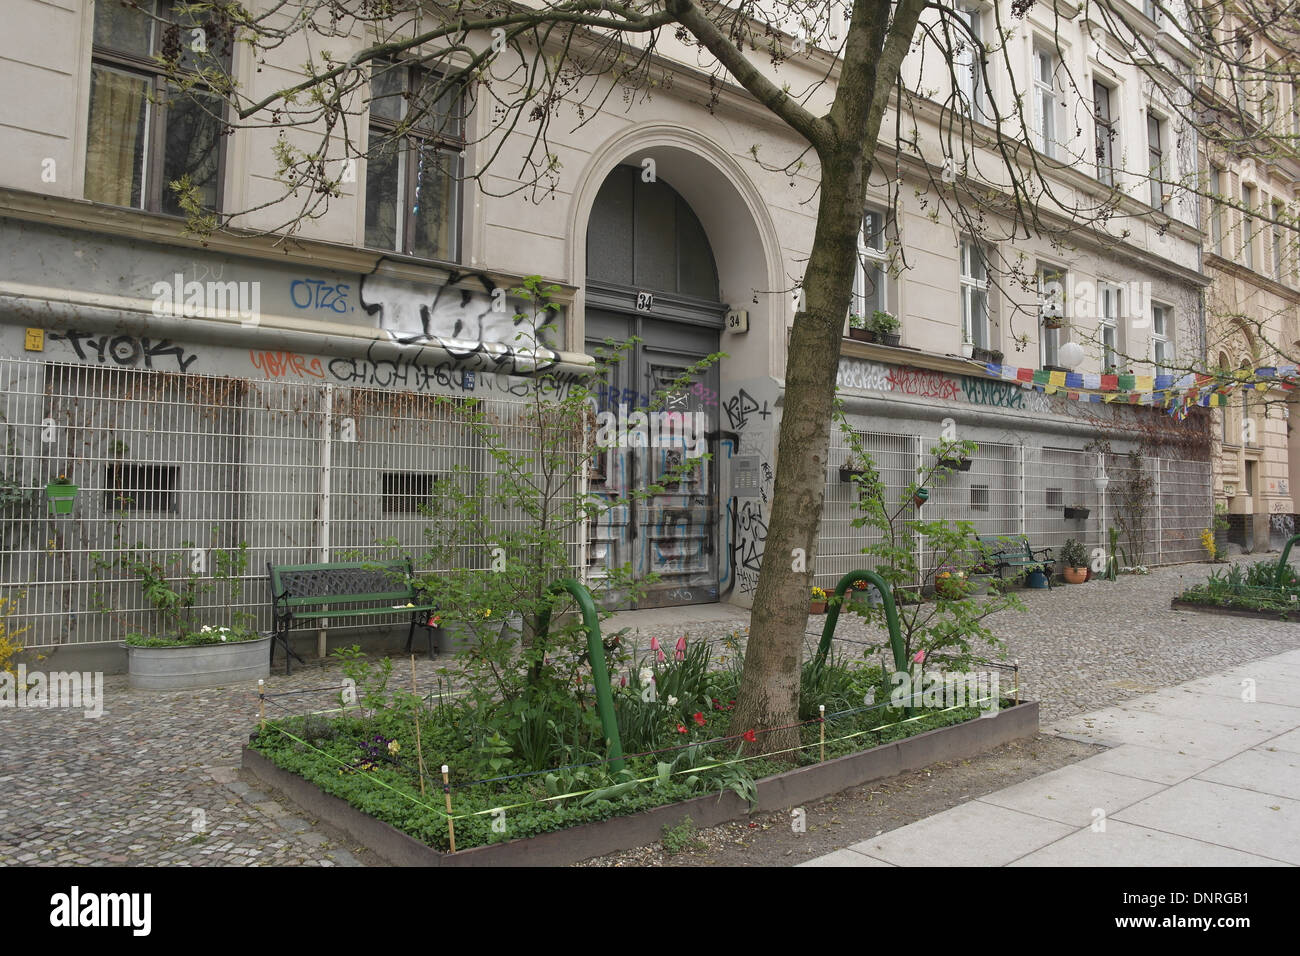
[(681, 838)]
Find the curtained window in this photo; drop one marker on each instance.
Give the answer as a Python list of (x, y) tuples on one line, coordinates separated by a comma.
[(144, 132)]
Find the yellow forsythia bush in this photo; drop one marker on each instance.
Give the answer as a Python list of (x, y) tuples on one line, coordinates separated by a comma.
[(9, 646)]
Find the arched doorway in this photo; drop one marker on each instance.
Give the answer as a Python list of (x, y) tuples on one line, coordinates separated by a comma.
[(651, 275)]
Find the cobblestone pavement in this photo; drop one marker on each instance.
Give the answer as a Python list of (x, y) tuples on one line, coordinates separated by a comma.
[(134, 786)]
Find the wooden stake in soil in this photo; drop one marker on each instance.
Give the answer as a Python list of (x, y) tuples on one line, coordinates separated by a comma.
[(451, 824), (1016, 672), (261, 702), (821, 709), (419, 749)]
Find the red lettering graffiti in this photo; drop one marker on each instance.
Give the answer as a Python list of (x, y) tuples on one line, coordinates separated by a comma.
[(280, 364), (915, 381)]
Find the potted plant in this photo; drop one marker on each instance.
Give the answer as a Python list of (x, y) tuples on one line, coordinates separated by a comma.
[(1075, 559), (863, 594), (886, 328), (817, 603), (852, 468), (955, 461), (920, 496), (61, 495), (181, 651), (980, 577), (950, 582), (996, 356), (1077, 512), (453, 637), (967, 346), (858, 328)]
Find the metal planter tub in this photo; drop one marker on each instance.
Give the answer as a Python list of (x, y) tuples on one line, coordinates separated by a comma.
[(205, 665)]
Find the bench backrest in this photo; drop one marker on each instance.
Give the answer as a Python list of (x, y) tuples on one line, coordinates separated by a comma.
[(1005, 544), (340, 582)]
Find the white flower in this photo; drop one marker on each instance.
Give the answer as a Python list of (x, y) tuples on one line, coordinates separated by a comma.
[(204, 629), (672, 701), (223, 637), (646, 675)]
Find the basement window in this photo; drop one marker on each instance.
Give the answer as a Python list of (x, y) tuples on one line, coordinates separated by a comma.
[(979, 497), (405, 491), (1054, 498), (132, 487)]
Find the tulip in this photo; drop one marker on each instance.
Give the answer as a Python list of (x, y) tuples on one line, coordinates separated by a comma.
[(680, 653)]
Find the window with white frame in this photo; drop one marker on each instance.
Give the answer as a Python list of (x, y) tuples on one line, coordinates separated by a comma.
[(1161, 338), (413, 168), (1052, 284), (1152, 10), (1104, 125), (1108, 328), (968, 64), (1156, 159), (1045, 101), (974, 295), (145, 129), (1247, 226), (1279, 244), (872, 286), (1218, 186)]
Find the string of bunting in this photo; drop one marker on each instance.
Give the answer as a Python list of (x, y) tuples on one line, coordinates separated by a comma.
[(1176, 394)]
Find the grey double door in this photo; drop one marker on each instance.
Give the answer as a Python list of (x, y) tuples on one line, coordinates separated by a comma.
[(665, 519)]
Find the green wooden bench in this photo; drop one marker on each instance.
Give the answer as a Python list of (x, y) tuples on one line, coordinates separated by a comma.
[(1012, 552), (306, 593)]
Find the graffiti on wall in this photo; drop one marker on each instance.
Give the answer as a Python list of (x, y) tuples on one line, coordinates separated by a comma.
[(286, 364), (872, 376), (864, 375), (126, 350), (465, 322), (741, 406), (922, 382), (982, 391)]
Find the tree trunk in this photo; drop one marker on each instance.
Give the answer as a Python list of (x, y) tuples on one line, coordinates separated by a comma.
[(768, 702), (769, 692)]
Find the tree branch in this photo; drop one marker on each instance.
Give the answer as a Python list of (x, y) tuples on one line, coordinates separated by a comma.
[(810, 127)]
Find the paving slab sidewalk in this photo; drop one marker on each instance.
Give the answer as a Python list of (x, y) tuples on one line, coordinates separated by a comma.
[(1206, 773)]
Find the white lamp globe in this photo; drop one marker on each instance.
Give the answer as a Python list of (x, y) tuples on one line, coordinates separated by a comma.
[(1070, 355)]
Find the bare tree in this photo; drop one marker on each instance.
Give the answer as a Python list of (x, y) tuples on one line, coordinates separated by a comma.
[(983, 154)]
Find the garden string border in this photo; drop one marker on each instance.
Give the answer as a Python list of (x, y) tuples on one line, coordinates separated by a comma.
[(581, 793)]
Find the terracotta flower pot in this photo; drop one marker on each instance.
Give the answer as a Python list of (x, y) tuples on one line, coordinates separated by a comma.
[(817, 607), (1075, 575)]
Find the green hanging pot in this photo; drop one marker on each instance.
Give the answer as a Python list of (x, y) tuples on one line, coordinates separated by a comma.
[(921, 496), (60, 497)]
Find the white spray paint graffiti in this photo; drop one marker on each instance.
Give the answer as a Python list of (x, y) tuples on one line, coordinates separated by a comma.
[(463, 321)]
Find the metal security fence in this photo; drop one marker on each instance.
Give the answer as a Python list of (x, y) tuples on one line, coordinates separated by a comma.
[(183, 464), (1160, 504)]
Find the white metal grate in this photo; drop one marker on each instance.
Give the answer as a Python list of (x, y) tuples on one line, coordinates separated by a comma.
[(1022, 489), (181, 464)]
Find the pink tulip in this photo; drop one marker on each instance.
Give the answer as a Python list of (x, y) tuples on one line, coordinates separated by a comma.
[(680, 653), (654, 646), (919, 658)]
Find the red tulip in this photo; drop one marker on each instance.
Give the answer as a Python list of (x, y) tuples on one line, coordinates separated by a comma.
[(681, 728), (654, 646), (699, 718), (750, 736), (680, 653)]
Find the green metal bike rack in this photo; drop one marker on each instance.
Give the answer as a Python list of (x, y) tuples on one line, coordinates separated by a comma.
[(891, 616), (1281, 564), (596, 651)]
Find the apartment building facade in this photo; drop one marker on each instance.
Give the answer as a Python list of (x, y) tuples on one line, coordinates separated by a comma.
[(1253, 301), (248, 387)]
